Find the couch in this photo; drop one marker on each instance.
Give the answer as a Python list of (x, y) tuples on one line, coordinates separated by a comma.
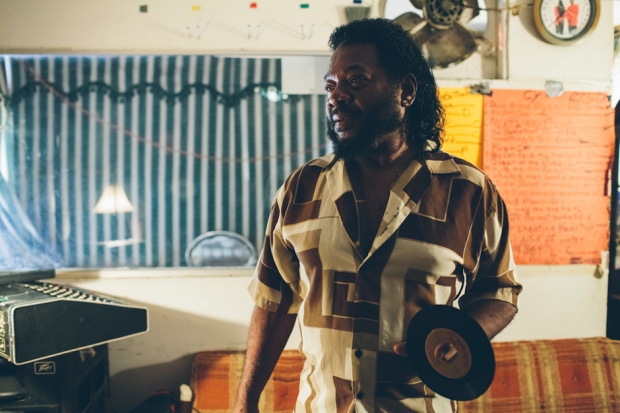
[(573, 375)]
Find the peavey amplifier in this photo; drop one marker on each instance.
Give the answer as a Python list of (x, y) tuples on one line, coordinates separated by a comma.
[(40, 320), (76, 382)]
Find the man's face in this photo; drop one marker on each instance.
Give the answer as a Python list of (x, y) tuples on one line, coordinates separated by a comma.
[(363, 105)]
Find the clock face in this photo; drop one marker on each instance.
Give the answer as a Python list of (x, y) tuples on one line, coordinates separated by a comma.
[(567, 19)]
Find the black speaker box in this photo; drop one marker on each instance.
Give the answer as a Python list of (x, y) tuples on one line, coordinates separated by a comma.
[(43, 320), (76, 382)]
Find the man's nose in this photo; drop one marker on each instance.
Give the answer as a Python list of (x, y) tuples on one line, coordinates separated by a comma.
[(339, 96)]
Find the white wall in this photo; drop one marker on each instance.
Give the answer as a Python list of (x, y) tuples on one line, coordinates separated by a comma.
[(583, 66), (198, 310), (615, 94), (216, 27), (117, 26), (189, 311), (559, 301), (195, 311)]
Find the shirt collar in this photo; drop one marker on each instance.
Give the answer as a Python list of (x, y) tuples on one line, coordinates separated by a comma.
[(438, 163), (405, 194)]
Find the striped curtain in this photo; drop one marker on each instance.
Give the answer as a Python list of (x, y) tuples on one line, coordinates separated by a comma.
[(198, 144)]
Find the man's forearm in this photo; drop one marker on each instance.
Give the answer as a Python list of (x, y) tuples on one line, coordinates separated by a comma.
[(492, 315), (269, 332)]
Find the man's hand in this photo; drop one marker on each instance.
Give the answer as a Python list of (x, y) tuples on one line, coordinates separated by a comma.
[(400, 348), (445, 351), (492, 315)]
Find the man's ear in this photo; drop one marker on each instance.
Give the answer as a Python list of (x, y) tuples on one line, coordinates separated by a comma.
[(408, 90)]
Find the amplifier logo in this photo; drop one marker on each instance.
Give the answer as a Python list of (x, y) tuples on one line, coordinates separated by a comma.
[(44, 367)]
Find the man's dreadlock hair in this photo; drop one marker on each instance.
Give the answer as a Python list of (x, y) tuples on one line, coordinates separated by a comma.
[(399, 56)]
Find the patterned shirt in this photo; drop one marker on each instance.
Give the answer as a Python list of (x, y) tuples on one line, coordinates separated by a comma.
[(444, 229)]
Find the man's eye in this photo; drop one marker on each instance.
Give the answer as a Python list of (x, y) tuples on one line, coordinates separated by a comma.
[(329, 88), (355, 80)]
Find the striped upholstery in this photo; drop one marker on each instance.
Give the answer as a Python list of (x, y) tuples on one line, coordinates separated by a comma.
[(557, 376), (579, 375), (216, 374)]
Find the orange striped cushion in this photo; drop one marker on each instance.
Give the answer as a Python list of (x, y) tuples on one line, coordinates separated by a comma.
[(558, 376), (216, 374), (575, 375)]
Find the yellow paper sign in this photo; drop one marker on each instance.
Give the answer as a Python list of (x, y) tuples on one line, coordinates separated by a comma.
[(463, 123)]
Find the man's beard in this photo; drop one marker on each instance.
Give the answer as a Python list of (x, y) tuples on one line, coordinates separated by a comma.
[(379, 122)]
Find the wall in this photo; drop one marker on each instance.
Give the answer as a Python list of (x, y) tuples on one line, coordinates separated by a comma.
[(574, 65), (521, 59), (194, 310), (182, 26)]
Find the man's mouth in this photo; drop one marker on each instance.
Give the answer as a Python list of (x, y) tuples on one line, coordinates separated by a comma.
[(339, 124), (341, 121)]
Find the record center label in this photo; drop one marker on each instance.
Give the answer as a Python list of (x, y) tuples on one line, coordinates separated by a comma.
[(459, 365)]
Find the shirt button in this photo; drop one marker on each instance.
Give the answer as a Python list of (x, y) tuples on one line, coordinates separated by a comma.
[(358, 353), (360, 395)]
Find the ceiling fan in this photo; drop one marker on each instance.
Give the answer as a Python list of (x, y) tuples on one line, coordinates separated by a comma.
[(441, 31)]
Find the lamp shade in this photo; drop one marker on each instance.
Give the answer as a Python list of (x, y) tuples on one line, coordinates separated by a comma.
[(113, 200)]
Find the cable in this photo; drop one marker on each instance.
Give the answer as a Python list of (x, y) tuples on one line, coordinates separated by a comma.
[(511, 8), (460, 290)]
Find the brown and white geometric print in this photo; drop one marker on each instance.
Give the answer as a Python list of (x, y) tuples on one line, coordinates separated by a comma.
[(444, 233)]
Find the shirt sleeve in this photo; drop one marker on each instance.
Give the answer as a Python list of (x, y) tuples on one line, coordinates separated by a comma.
[(274, 286), (495, 277)]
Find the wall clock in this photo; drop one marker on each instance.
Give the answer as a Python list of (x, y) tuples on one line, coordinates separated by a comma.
[(565, 22)]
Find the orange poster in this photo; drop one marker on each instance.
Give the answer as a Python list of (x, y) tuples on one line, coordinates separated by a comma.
[(550, 159)]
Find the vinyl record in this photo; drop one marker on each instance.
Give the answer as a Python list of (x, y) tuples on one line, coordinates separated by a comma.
[(470, 372)]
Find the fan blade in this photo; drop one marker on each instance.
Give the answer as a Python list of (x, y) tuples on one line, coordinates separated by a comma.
[(470, 10), (449, 47), (418, 4), (408, 20), (422, 32)]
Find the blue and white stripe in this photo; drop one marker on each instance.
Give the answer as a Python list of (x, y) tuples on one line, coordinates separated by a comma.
[(188, 165)]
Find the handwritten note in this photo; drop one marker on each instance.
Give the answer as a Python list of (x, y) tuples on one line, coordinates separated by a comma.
[(463, 123), (549, 158)]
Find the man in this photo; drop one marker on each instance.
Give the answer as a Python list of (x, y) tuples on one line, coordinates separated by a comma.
[(572, 15), (560, 16), (360, 240)]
